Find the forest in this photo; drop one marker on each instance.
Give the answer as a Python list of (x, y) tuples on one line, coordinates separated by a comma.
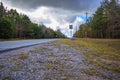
[(105, 22), (15, 25)]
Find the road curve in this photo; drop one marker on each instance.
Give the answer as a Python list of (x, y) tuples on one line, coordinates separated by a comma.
[(11, 45)]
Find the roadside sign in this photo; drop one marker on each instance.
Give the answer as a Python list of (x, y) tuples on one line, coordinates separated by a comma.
[(70, 26)]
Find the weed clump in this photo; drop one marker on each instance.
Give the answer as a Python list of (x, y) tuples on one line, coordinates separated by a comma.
[(23, 56), (2, 66)]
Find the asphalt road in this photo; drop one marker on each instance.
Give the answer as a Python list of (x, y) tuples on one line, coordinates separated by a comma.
[(11, 45)]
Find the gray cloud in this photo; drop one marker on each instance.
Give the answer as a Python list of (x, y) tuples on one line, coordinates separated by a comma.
[(57, 12), (74, 5)]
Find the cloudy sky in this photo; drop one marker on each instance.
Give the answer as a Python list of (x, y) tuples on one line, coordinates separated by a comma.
[(55, 13)]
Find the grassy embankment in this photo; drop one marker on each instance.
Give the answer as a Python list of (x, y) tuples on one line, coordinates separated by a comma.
[(102, 53)]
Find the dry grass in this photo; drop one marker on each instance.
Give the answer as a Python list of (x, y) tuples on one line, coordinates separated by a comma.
[(49, 66), (2, 66), (92, 72), (15, 68), (8, 77), (103, 53), (23, 55), (89, 71)]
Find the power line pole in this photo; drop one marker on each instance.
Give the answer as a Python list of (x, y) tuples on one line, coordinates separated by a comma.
[(86, 17), (86, 23)]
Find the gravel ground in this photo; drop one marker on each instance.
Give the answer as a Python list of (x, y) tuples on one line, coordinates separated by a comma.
[(48, 61)]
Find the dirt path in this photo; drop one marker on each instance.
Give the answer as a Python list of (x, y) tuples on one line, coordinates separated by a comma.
[(48, 61)]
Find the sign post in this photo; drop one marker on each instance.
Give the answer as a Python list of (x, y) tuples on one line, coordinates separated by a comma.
[(71, 27)]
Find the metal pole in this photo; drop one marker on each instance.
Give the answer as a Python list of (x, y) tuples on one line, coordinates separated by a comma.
[(86, 16), (71, 33)]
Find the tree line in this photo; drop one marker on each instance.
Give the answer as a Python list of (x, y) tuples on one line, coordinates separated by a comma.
[(15, 25), (105, 23)]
